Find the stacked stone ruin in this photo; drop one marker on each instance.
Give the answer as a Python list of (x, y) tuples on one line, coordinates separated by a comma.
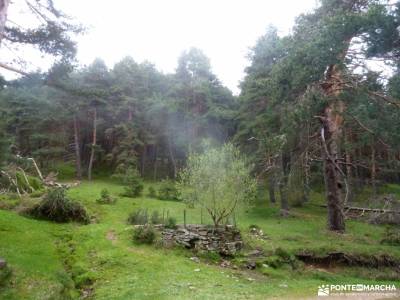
[(225, 240)]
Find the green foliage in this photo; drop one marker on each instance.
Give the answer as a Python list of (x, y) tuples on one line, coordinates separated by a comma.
[(134, 183), (391, 236), (218, 180), (56, 206), (105, 197), (145, 234), (155, 217), (5, 274), (152, 192), (8, 201), (138, 217), (134, 189), (37, 193), (64, 171), (33, 182), (168, 191), (282, 258), (170, 223)]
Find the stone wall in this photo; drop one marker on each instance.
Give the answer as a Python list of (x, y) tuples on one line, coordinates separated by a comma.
[(225, 240)]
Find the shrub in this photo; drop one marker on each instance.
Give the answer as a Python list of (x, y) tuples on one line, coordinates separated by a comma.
[(155, 217), (391, 236), (105, 197), (138, 217), (168, 191), (144, 234), (55, 206), (130, 177), (63, 170), (7, 202), (254, 227), (125, 175), (152, 192), (5, 274), (34, 182), (37, 193), (170, 223), (133, 191)]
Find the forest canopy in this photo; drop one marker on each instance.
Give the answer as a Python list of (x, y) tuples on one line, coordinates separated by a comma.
[(310, 108)]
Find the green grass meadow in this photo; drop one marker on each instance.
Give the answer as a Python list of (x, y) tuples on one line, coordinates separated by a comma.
[(101, 261)]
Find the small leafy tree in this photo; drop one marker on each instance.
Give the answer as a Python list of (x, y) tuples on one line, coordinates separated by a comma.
[(218, 180), (131, 178), (105, 197), (168, 191)]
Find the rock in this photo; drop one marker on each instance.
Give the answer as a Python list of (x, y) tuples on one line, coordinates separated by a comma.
[(251, 265), (250, 279), (255, 253), (195, 259), (225, 264), (3, 263)]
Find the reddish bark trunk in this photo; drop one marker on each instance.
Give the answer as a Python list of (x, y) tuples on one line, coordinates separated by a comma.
[(332, 122)]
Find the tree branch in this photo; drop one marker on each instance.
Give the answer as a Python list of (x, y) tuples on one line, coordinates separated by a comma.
[(12, 69)]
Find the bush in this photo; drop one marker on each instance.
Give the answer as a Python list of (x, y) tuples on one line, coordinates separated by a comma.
[(391, 236), (64, 171), (155, 218), (152, 192), (134, 190), (125, 175), (34, 182), (138, 217), (168, 191), (130, 177), (55, 206), (170, 223), (105, 197), (37, 193), (7, 202), (144, 234), (5, 274)]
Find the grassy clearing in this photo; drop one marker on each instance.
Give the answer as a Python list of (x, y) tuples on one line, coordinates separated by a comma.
[(56, 261)]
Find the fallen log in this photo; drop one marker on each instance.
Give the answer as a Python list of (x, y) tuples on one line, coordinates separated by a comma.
[(367, 209)]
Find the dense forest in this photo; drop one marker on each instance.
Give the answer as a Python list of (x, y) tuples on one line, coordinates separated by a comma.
[(310, 108), (318, 113)]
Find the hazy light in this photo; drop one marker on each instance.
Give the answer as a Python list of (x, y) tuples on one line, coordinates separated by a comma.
[(159, 31)]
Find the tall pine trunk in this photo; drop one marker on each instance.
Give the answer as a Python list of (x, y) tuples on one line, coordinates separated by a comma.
[(171, 156), (155, 165), (283, 183), (373, 170), (332, 122), (77, 150), (93, 150), (271, 188), (143, 158), (349, 173)]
